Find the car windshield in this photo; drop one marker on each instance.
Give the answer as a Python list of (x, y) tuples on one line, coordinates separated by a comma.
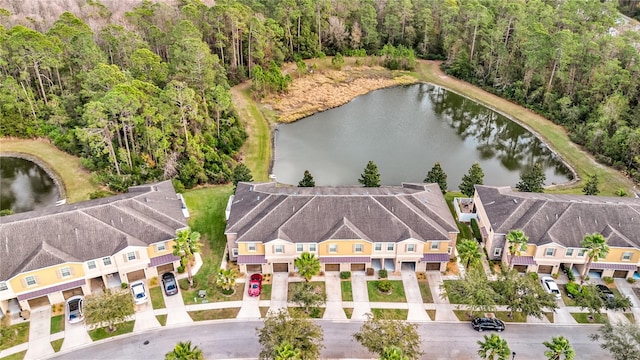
[(171, 286), (138, 291)]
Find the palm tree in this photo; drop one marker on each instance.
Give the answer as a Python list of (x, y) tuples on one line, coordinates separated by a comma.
[(286, 351), (559, 348), (308, 265), (597, 248), (184, 351), (187, 244), (494, 348), (226, 279), (392, 353), (468, 252), (517, 243)]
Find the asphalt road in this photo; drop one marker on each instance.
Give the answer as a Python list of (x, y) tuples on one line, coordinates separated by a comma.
[(234, 339)]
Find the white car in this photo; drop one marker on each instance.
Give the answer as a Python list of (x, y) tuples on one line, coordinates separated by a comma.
[(550, 286), (74, 309), (139, 292)]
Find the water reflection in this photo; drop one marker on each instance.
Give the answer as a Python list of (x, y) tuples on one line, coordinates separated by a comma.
[(25, 186), (405, 130)]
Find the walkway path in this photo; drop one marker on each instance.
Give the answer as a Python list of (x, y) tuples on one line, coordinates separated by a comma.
[(361, 305), (40, 333), (415, 303)]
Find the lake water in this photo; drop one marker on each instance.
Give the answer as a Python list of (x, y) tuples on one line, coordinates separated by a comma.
[(25, 186), (405, 130)]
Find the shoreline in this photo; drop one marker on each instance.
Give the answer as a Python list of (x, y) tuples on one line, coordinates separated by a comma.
[(57, 179)]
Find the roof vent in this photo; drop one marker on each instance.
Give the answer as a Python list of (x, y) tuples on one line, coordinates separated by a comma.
[(258, 198), (556, 216), (515, 201), (250, 188)]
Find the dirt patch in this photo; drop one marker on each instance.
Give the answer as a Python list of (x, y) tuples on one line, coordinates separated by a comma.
[(327, 88)]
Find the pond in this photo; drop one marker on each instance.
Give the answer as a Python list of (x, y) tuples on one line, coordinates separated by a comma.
[(25, 186), (405, 130)]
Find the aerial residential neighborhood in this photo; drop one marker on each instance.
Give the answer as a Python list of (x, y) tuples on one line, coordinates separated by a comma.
[(301, 180)]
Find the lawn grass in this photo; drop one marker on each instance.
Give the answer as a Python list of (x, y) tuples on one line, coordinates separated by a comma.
[(15, 335), (425, 291), (629, 315), (453, 297), (565, 298), (517, 316), (462, 315), (207, 217), (157, 300), (465, 230), (57, 324), (162, 319), (553, 135), (16, 356), (318, 313), (213, 314), (214, 293), (347, 291), (75, 178), (348, 312), (396, 295), (391, 314), (582, 318), (57, 344), (549, 316), (101, 333), (318, 285), (263, 311), (265, 293), (432, 314)]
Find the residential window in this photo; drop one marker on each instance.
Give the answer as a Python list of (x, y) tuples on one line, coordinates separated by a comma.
[(3, 286), (411, 247), (626, 256), (581, 252), (378, 247), (299, 247), (569, 252), (449, 249), (497, 252), (312, 247), (234, 251), (333, 248), (390, 246), (435, 245), (251, 246), (357, 248), (278, 249), (30, 280), (162, 246), (65, 272), (550, 252), (131, 255), (91, 265), (106, 261)]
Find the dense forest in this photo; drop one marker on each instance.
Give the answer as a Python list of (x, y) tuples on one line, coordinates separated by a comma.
[(143, 94)]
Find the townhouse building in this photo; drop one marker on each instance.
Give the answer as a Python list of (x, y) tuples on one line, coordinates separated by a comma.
[(556, 225), (347, 228), (48, 255)]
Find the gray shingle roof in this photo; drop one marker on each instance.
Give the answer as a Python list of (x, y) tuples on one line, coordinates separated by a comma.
[(262, 212), (563, 219), (88, 230)]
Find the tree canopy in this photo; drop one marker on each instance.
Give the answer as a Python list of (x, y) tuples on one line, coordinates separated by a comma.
[(371, 176), (438, 176), (532, 179), (377, 335), (301, 333), (108, 308), (475, 176)]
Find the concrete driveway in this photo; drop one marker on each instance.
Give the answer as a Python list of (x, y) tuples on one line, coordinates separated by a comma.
[(443, 308), (145, 318), (279, 290), (415, 304), (176, 311), (333, 308), (75, 335), (40, 333), (361, 306), (250, 308)]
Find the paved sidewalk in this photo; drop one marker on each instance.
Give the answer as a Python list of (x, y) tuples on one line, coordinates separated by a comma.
[(415, 303), (40, 333), (333, 308), (361, 305)]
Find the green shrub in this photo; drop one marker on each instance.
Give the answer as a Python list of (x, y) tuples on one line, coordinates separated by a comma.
[(476, 230), (180, 269), (621, 192), (344, 275), (124, 285), (384, 286), (337, 61), (608, 280), (573, 289), (570, 274), (631, 280), (533, 275), (98, 194), (382, 274)]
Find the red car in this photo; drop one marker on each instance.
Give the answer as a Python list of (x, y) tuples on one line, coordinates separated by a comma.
[(255, 285)]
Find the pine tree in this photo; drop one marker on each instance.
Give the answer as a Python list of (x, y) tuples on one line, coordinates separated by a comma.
[(370, 177), (591, 187), (438, 176), (307, 180), (532, 179), (241, 173), (475, 176)]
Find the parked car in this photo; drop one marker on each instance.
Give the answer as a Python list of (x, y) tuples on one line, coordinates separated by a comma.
[(255, 285), (169, 284), (605, 292), (139, 292), (74, 309), (487, 323), (550, 286)]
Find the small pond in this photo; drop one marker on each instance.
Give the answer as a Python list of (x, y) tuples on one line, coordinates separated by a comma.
[(405, 130), (25, 186)]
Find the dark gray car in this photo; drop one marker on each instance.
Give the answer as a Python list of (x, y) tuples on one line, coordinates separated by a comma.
[(169, 284), (605, 292)]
